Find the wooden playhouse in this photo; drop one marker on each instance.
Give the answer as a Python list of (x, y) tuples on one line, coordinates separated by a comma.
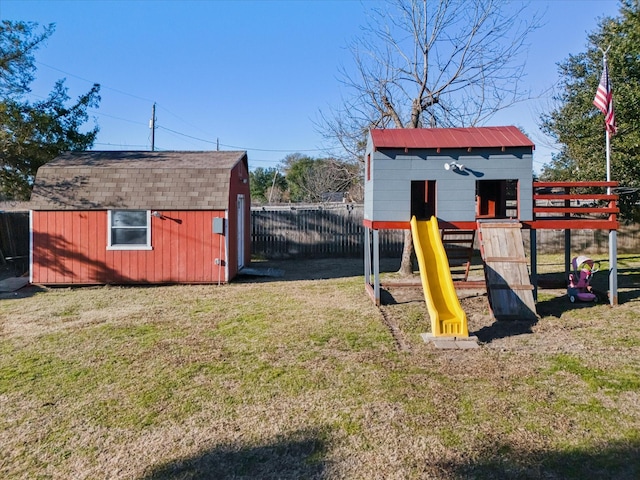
[(477, 180)]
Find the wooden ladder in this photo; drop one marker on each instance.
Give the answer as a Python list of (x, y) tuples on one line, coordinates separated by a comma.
[(458, 244)]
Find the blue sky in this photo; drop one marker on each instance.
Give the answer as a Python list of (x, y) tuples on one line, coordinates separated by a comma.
[(249, 75)]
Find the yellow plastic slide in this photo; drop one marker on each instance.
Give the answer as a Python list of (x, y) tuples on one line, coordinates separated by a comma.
[(447, 316)]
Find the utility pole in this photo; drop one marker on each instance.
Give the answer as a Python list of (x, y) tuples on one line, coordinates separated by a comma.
[(273, 184), (152, 126)]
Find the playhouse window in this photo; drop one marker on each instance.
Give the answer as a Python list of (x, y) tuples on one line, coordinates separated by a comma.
[(497, 199), (129, 229)]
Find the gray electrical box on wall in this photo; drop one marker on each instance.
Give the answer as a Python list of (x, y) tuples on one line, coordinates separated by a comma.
[(218, 225)]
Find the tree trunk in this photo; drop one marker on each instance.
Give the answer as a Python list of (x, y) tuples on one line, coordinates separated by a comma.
[(406, 265)]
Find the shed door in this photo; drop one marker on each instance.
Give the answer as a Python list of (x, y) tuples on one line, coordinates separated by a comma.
[(240, 217)]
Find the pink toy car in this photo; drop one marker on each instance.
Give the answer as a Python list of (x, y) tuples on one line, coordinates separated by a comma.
[(580, 280)]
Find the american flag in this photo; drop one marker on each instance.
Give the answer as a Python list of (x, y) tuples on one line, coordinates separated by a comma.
[(604, 100)]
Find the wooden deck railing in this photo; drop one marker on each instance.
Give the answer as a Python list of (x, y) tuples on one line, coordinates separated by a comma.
[(557, 205)]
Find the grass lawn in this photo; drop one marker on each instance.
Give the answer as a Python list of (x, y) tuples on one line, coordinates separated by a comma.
[(293, 378)]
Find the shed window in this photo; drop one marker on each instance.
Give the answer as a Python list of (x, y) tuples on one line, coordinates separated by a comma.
[(129, 229)]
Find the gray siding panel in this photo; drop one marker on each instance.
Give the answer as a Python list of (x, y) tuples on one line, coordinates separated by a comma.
[(391, 211), (526, 200), (392, 184), (388, 194)]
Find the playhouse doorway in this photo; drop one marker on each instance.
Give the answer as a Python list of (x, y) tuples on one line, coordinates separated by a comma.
[(423, 199), (497, 199)]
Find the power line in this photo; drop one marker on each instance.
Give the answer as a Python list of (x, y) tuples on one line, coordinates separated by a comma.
[(119, 145), (216, 142), (273, 151), (181, 119), (98, 112), (235, 147), (221, 144), (184, 134), (93, 83)]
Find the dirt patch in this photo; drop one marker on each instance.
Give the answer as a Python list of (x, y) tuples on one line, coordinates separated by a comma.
[(554, 330), (552, 295), (404, 311)]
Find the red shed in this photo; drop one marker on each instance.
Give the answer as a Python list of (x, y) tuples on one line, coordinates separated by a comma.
[(140, 218)]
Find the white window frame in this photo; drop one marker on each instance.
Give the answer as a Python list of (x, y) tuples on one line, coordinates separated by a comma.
[(128, 246)]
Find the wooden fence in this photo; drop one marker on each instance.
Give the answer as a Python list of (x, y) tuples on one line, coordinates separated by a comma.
[(336, 230), (586, 241), (333, 231), (329, 230), (14, 240)]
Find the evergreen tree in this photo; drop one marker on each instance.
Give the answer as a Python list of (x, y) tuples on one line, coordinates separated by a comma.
[(31, 134), (578, 126), (264, 183)]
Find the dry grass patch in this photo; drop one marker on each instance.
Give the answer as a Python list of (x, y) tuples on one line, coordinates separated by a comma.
[(302, 379)]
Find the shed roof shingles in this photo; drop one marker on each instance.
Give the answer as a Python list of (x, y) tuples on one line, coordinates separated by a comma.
[(135, 180)]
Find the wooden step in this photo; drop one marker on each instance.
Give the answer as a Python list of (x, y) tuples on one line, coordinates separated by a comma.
[(458, 245)]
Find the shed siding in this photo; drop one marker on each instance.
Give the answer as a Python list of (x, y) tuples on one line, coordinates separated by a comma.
[(70, 247), (238, 186)]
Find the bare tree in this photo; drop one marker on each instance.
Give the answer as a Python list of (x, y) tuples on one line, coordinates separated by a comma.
[(446, 63), (319, 180)]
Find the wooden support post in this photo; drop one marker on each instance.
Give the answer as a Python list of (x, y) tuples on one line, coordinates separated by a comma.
[(533, 247), (613, 267), (376, 267), (567, 253), (367, 255), (372, 264), (567, 238)]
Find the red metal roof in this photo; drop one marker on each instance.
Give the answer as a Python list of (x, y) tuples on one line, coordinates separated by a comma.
[(475, 137)]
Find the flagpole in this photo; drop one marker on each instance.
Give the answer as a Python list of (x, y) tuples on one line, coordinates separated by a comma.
[(613, 240), (608, 145), (613, 234)]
